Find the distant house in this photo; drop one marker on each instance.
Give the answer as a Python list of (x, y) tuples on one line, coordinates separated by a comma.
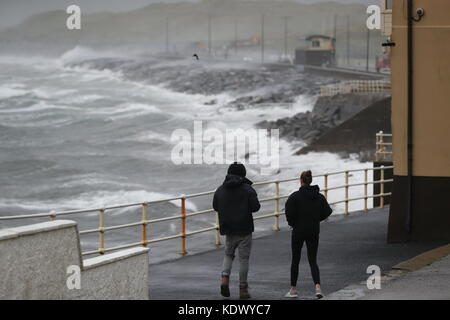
[(320, 50)]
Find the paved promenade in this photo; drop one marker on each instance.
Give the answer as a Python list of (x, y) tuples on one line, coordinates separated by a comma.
[(430, 282), (348, 245)]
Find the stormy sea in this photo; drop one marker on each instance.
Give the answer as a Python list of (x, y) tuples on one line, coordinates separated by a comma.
[(90, 129)]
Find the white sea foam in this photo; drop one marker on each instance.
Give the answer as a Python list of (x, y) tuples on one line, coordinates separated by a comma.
[(81, 53), (49, 93), (82, 99), (37, 107), (94, 200), (12, 90), (126, 111), (148, 136)]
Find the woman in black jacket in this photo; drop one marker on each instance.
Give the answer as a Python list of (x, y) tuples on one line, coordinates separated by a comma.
[(305, 209)]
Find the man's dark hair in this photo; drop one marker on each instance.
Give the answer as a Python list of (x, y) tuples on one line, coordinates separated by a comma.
[(306, 177)]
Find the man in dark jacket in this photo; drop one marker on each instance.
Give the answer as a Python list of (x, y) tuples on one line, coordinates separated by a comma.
[(235, 201), (305, 209)]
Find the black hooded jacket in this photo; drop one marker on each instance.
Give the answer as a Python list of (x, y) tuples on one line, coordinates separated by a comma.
[(235, 201), (305, 209)]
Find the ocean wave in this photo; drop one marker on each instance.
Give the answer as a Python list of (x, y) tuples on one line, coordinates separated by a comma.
[(12, 90), (92, 200), (126, 111), (37, 107), (82, 53), (50, 93), (82, 99), (147, 136)]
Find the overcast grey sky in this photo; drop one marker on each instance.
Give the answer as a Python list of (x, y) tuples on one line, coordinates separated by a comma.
[(14, 11)]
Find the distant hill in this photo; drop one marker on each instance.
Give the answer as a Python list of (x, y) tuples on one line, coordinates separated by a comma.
[(188, 23)]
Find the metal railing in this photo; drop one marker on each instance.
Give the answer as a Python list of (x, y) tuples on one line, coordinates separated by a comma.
[(144, 222), (355, 86), (383, 150), (184, 215)]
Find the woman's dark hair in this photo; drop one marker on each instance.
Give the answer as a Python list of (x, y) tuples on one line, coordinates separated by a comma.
[(306, 177)]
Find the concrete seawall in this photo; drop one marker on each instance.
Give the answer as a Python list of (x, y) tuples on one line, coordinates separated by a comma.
[(34, 262)]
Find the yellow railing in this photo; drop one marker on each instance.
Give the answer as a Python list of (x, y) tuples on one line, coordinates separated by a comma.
[(383, 150), (184, 215)]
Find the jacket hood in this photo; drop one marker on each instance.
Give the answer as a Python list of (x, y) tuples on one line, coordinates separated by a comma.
[(311, 192), (232, 181)]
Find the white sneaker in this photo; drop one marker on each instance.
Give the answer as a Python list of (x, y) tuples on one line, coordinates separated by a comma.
[(319, 294), (291, 294)]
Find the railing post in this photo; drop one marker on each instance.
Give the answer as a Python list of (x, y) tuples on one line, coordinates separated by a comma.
[(377, 146), (382, 148), (382, 187), (52, 216), (183, 227), (346, 193), (101, 230), (217, 230), (325, 185), (276, 226), (144, 224), (365, 189)]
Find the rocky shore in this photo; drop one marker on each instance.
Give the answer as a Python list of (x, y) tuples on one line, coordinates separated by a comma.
[(328, 113), (356, 135)]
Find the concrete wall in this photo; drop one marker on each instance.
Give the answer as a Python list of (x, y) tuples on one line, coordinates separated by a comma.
[(34, 261), (120, 275)]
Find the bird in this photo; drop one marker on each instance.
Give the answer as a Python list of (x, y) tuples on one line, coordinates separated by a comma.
[(195, 56)]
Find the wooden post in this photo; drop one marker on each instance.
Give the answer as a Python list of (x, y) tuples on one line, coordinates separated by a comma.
[(382, 187), (101, 230), (144, 224), (365, 190), (183, 227), (346, 193), (217, 230), (276, 227)]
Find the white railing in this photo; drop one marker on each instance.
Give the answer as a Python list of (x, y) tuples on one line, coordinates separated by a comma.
[(183, 215), (383, 150)]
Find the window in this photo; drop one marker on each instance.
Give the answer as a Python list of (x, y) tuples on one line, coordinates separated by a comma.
[(388, 4), (316, 43)]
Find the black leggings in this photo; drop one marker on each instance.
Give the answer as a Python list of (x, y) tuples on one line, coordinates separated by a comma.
[(312, 245)]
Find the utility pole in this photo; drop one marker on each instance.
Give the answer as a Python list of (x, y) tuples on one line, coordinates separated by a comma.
[(368, 49), (335, 27), (209, 36), (262, 38), (167, 35), (235, 37), (285, 37), (348, 40), (335, 38)]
